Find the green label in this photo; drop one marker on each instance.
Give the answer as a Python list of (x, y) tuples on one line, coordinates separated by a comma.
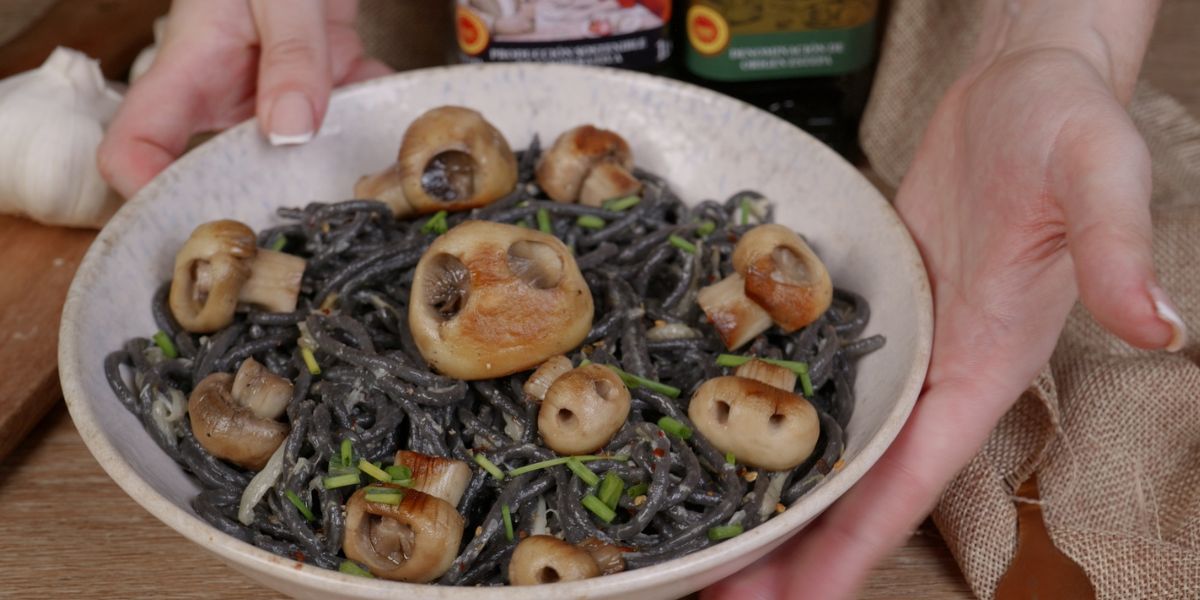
[(785, 54)]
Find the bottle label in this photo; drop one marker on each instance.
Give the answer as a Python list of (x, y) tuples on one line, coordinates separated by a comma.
[(618, 33), (740, 40)]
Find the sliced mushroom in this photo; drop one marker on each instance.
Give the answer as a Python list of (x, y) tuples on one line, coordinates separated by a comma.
[(587, 165), (546, 559), (230, 430), (451, 158), (545, 376), (415, 540), (772, 375), (444, 478), (266, 394), (735, 316), (490, 299), (763, 426), (783, 275), (583, 409), (218, 266)]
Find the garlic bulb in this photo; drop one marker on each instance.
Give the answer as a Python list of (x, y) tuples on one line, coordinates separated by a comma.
[(51, 120), (145, 58)]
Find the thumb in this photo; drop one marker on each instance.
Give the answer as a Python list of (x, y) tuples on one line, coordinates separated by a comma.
[(1101, 175), (294, 71)]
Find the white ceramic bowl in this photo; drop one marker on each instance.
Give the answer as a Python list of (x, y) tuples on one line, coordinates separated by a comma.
[(707, 145)]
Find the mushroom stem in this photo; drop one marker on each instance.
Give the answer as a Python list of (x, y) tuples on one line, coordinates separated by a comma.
[(274, 282), (772, 375), (443, 478), (736, 317), (266, 394), (545, 376)]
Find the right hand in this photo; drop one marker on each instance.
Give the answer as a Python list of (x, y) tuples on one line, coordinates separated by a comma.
[(222, 62)]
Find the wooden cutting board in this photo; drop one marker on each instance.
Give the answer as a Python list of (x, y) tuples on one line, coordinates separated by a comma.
[(38, 262), (36, 266)]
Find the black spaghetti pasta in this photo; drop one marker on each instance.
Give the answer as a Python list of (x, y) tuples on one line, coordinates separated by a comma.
[(376, 391)]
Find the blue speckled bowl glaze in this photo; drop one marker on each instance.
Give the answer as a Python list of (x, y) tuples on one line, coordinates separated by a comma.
[(707, 145)]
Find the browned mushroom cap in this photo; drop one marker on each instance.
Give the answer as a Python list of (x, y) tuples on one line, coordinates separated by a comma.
[(546, 559), (266, 394), (583, 409), (736, 317), (490, 299), (228, 429), (588, 165), (219, 266), (415, 540), (763, 426), (451, 159), (444, 478), (783, 275)]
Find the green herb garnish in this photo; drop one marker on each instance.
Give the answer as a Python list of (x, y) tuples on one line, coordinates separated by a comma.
[(508, 524), (724, 532), (598, 508), (350, 567), (621, 204), (299, 504), (543, 221), (436, 224), (675, 428), (682, 244), (610, 489), (591, 222), (163, 341), (489, 466)]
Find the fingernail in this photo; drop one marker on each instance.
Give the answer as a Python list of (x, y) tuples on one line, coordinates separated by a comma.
[(291, 120), (1166, 311)]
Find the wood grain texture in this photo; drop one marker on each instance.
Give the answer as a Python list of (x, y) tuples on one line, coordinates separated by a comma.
[(39, 263), (112, 31)]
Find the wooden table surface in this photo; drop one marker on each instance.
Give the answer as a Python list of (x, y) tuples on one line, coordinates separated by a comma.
[(66, 530)]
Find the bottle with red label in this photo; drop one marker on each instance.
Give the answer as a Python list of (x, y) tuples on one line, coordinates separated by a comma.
[(632, 34), (808, 61)]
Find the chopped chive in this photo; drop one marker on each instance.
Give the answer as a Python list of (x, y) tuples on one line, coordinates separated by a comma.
[(682, 244), (310, 361), (350, 567), (745, 211), (724, 532), (384, 495), (610, 489), (508, 524), (583, 473), (347, 452), (562, 460), (734, 360), (299, 504), (591, 222), (635, 381), (598, 508), (489, 466), (730, 459), (706, 228), (338, 481), (373, 471), (398, 472), (163, 341), (278, 244), (543, 221), (620, 204), (436, 224), (806, 383), (523, 204), (340, 469), (637, 490), (675, 428), (524, 223)]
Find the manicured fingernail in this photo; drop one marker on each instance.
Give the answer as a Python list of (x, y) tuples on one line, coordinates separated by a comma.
[(291, 120), (1167, 312)]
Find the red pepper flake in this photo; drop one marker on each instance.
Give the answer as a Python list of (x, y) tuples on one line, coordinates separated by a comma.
[(298, 555)]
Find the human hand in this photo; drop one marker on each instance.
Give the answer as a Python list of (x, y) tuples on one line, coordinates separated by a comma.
[(1030, 189), (222, 62)]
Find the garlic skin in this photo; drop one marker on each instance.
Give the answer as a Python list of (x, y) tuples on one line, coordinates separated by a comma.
[(52, 119)]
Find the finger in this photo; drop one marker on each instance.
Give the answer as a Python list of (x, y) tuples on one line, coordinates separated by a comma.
[(150, 130), (293, 72), (364, 69), (830, 559), (1102, 179)]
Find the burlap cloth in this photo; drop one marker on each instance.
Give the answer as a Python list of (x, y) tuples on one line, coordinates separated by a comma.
[(1113, 432)]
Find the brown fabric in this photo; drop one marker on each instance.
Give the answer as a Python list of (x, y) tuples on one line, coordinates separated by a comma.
[(1113, 432)]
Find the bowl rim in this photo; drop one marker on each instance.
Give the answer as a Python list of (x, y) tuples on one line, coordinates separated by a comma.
[(245, 556)]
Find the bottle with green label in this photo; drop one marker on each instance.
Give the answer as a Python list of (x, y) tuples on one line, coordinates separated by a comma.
[(808, 61)]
